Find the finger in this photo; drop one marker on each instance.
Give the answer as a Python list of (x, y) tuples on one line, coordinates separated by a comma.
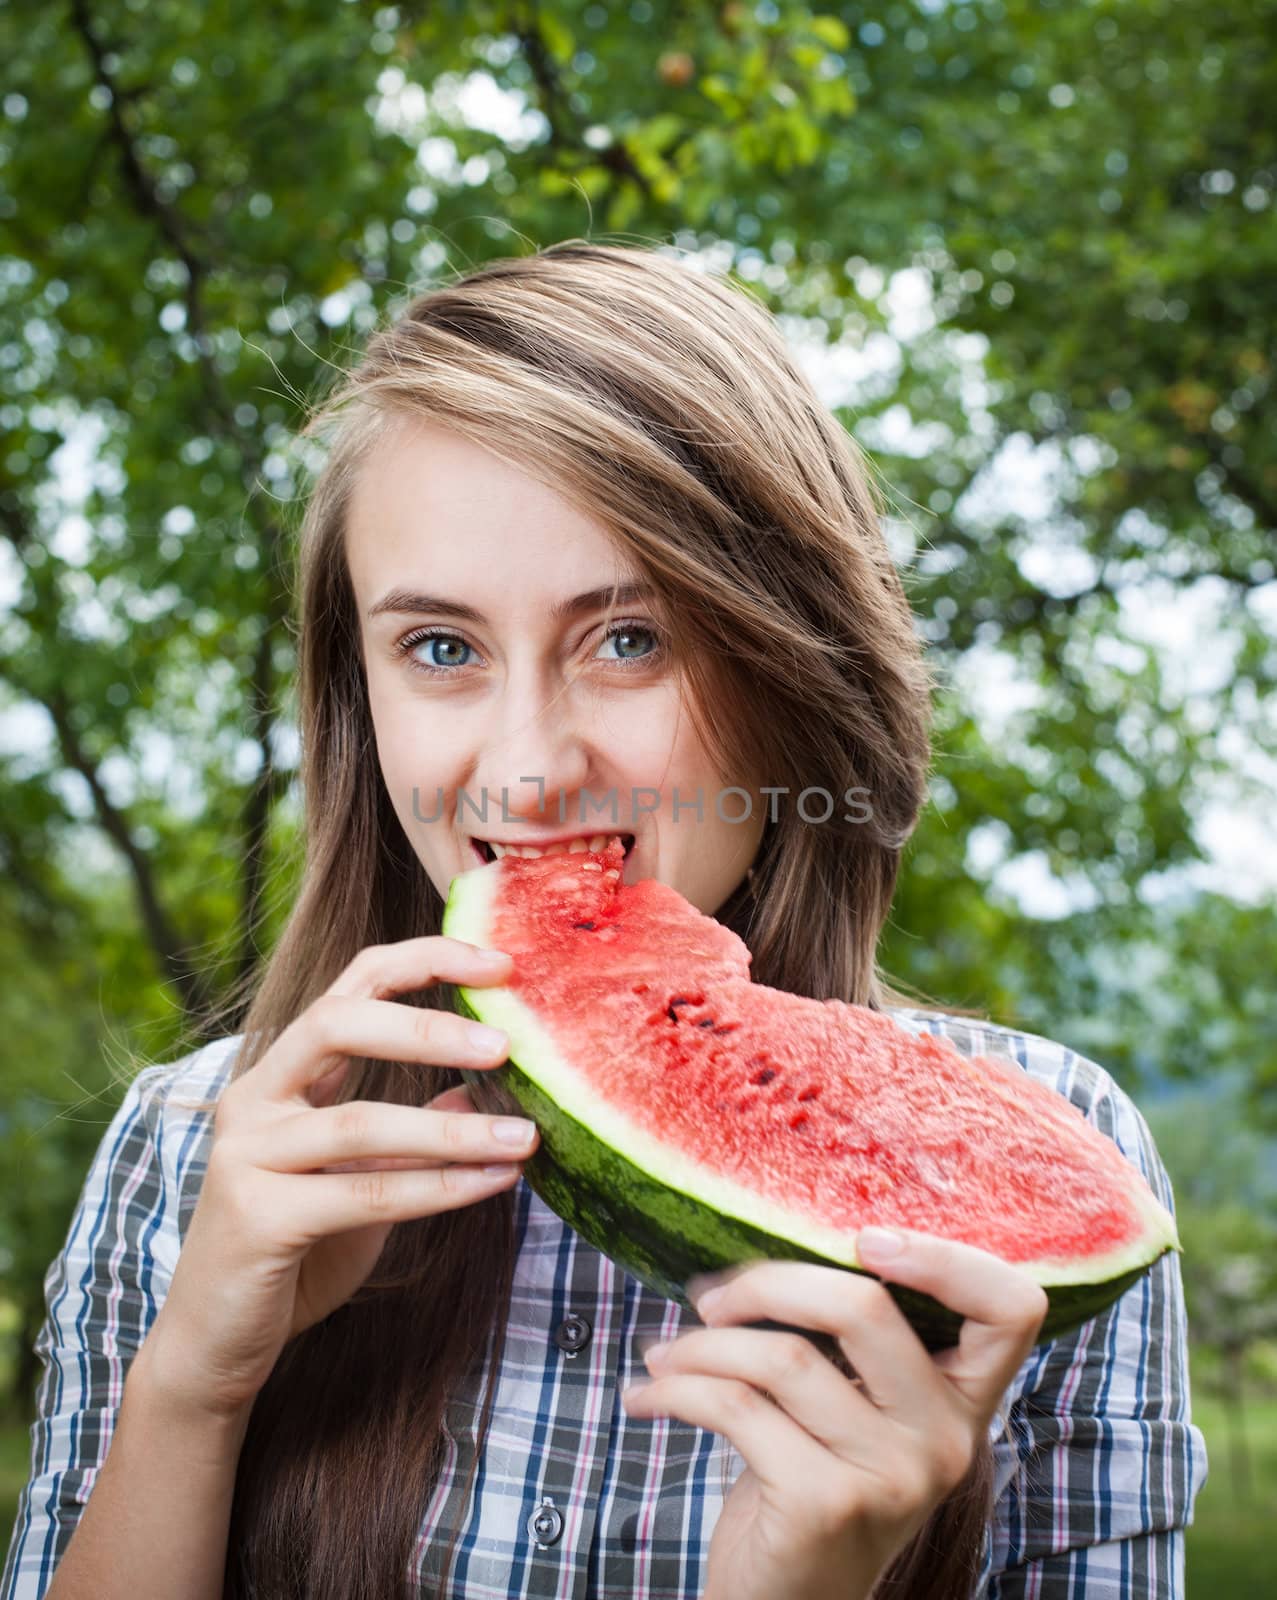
[(1002, 1308), (336, 1026), (854, 1308), (372, 1130), (324, 1091), (789, 1368), (455, 1099), (458, 1098), (338, 1202), (774, 1447), (1002, 1304), (379, 1164), (380, 971)]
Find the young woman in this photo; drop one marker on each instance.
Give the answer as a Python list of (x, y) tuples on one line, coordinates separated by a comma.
[(583, 527)]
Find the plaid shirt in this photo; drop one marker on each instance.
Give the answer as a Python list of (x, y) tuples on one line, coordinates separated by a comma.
[(1097, 1461)]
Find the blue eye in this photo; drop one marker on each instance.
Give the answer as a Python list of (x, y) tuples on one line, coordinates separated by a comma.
[(629, 630), (620, 631), (407, 645)]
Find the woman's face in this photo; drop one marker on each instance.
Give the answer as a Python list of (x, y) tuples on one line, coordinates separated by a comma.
[(487, 674)]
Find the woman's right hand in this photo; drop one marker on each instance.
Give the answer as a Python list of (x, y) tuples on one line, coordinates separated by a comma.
[(300, 1194)]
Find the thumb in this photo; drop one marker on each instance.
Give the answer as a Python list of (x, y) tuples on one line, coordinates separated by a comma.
[(454, 1099)]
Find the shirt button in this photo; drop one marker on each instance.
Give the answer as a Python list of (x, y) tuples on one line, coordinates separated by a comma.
[(572, 1335), (545, 1524)]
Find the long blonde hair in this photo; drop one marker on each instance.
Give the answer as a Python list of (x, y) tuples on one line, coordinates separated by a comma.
[(666, 402)]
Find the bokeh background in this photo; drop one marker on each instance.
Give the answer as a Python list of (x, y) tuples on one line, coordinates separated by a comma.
[(1026, 251)]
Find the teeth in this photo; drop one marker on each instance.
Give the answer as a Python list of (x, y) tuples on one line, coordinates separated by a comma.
[(573, 847)]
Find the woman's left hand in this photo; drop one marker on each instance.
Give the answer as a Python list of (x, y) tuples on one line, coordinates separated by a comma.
[(841, 1473)]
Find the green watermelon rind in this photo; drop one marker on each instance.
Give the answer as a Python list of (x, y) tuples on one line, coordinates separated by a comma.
[(664, 1237)]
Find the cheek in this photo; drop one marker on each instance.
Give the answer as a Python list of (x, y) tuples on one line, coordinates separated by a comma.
[(691, 758), (657, 741), (391, 729), (410, 753), (406, 726)]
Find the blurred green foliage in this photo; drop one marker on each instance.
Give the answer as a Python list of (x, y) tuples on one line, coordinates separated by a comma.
[(1044, 231), (1229, 1546)]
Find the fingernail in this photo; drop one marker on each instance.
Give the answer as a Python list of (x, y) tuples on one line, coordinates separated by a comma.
[(512, 1130), (500, 1169), (482, 1040), (657, 1352), (879, 1244), (492, 955)]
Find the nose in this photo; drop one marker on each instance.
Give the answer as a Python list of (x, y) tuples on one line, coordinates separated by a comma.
[(531, 759)]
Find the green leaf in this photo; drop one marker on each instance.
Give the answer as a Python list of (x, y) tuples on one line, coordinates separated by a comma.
[(832, 30), (557, 35)]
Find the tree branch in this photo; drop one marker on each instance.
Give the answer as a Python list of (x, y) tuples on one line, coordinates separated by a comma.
[(161, 934), (220, 419), (151, 204), (552, 99)]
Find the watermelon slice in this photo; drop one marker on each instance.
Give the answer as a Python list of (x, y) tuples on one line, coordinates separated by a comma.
[(691, 1119)]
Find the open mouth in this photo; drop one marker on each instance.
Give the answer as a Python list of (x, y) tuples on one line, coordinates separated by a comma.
[(485, 853)]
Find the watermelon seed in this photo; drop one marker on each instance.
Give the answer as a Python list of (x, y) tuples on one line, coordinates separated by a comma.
[(798, 1119), (727, 1027), (705, 1022), (809, 1094), (765, 1076), (589, 926), (640, 988)]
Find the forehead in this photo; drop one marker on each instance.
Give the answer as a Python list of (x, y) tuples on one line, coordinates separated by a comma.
[(434, 511)]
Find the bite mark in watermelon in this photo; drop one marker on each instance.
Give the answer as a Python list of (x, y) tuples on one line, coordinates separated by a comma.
[(691, 1119)]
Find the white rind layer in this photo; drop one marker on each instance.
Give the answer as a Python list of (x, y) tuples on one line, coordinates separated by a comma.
[(467, 917)]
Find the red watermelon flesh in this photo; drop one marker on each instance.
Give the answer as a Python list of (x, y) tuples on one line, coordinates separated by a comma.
[(635, 1013)]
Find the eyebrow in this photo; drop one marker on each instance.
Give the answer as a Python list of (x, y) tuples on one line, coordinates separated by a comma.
[(412, 601)]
